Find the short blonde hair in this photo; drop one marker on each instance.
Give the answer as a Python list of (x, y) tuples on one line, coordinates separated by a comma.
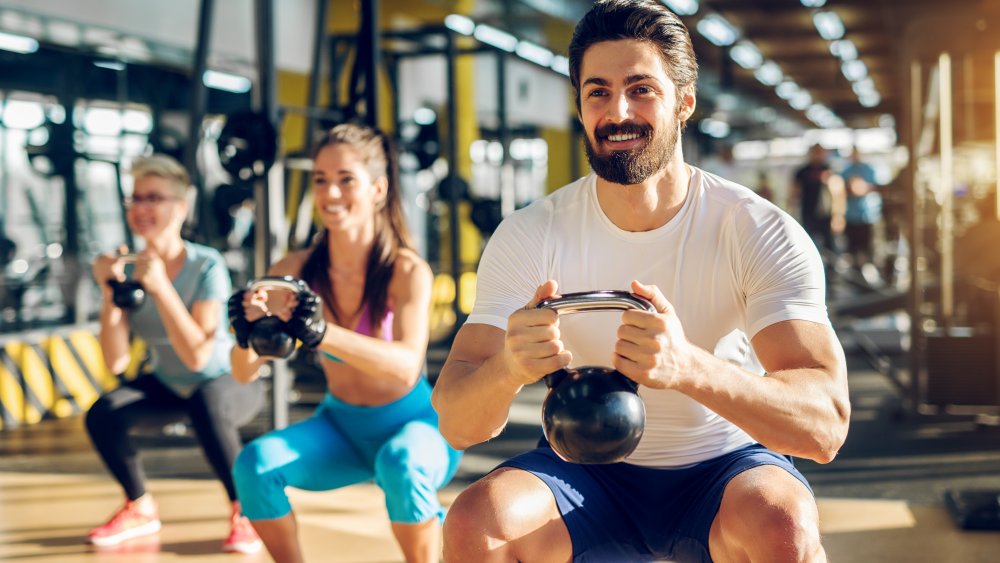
[(165, 167)]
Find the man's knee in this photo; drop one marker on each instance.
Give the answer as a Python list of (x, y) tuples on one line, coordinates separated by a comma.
[(769, 516), (470, 521)]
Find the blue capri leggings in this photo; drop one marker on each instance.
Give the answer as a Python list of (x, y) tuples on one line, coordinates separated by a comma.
[(397, 445)]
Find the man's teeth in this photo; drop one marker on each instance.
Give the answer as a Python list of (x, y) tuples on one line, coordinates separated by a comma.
[(333, 208), (620, 138)]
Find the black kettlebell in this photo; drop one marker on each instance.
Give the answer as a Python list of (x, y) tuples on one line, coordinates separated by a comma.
[(127, 294), (593, 414), (269, 336)]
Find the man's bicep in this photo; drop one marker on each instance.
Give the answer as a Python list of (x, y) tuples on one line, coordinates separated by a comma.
[(798, 344)]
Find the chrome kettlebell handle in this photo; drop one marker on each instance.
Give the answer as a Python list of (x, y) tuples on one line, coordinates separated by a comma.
[(604, 300), (128, 258), (279, 282)]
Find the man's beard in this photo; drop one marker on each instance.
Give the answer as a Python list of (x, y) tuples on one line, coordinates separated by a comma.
[(632, 166)]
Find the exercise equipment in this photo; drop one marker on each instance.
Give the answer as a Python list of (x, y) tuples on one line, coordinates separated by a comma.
[(127, 294), (248, 145), (593, 414), (270, 336), (974, 509)]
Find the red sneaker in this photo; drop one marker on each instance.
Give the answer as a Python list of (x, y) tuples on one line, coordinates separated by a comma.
[(242, 537), (129, 522)]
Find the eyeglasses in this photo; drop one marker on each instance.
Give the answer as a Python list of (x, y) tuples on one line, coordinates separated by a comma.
[(151, 199)]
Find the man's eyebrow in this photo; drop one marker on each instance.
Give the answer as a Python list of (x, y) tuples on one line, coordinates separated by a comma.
[(631, 79), (596, 81)]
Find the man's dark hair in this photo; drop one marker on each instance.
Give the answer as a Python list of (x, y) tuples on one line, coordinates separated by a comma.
[(642, 20)]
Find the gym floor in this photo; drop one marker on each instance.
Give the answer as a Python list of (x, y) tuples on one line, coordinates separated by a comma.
[(881, 500)]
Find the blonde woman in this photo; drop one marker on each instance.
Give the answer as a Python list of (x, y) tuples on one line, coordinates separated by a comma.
[(183, 322)]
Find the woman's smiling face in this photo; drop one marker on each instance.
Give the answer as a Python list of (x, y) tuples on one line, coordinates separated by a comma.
[(347, 195), (155, 207)]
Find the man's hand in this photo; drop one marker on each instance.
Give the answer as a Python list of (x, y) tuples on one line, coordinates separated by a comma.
[(532, 345), (652, 349)]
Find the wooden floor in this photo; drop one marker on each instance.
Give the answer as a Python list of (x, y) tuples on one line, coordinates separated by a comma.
[(44, 518)]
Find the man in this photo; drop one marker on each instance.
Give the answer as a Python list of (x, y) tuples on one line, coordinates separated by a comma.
[(725, 270), (862, 212), (812, 187)]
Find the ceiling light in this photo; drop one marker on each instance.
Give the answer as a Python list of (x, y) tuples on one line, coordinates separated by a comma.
[(23, 114), (865, 86), (682, 7), (769, 74), (844, 49), (225, 81), (110, 65), (534, 53), (787, 89), (828, 25), (870, 100), (746, 54), (814, 3), (854, 70), (800, 100), (495, 37), (560, 64), (103, 121), (459, 24), (18, 43), (714, 128), (716, 29)]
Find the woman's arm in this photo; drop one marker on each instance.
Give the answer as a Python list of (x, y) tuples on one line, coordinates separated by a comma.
[(114, 335), (191, 333)]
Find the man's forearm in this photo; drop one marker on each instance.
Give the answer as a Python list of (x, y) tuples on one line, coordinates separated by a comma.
[(801, 412), (473, 402)]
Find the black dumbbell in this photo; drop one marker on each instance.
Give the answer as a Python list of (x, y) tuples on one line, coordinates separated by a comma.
[(270, 336), (593, 414), (127, 294)]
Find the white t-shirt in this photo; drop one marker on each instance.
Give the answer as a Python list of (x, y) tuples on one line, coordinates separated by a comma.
[(730, 262)]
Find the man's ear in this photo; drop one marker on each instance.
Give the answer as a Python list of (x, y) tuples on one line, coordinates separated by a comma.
[(688, 102)]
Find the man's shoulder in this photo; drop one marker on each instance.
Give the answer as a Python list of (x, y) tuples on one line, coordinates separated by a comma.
[(562, 198)]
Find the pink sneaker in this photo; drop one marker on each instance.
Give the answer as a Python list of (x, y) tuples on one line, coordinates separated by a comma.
[(242, 537), (129, 522)]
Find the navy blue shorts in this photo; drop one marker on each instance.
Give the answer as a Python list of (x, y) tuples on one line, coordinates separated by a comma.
[(623, 512)]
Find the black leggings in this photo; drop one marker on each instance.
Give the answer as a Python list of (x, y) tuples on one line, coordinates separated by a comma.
[(217, 409)]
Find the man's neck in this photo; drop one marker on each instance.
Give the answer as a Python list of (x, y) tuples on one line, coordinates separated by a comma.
[(649, 205)]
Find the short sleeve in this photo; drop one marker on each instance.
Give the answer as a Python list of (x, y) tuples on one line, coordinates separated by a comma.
[(512, 265), (215, 283), (778, 267)]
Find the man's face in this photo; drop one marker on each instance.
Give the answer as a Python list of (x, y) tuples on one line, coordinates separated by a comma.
[(630, 111)]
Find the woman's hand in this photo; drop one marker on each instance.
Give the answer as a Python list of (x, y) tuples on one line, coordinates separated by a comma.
[(151, 272)]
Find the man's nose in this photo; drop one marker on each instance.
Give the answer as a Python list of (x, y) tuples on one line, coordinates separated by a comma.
[(620, 109)]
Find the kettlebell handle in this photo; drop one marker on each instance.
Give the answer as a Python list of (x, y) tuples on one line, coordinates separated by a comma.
[(128, 258), (604, 300), (280, 282)]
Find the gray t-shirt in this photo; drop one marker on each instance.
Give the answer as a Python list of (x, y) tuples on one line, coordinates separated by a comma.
[(204, 277)]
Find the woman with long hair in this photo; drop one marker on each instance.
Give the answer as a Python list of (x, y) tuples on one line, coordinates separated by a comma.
[(366, 312)]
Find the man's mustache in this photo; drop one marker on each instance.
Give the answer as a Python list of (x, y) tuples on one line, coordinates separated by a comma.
[(626, 128)]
